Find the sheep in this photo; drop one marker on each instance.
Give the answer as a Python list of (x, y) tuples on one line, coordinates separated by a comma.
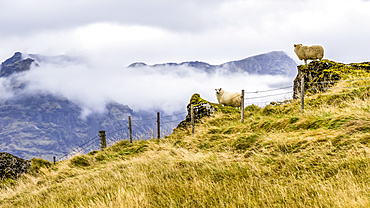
[(228, 98), (309, 52)]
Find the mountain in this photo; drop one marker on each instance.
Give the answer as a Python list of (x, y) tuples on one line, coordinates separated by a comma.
[(43, 125), (272, 63)]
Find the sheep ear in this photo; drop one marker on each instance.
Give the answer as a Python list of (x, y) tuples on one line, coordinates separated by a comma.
[(295, 45)]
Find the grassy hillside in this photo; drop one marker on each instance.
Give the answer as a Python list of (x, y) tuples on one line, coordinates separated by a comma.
[(277, 158)]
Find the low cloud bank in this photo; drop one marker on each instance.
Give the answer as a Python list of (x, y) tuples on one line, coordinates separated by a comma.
[(141, 88)]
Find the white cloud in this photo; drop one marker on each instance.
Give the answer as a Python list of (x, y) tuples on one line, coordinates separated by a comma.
[(5, 89), (166, 88)]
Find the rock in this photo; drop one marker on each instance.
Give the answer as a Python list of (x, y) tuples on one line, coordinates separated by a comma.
[(202, 108), (12, 166), (319, 75), (15, 64)]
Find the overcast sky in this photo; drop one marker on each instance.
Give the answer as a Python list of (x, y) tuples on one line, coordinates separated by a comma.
[(119, 32)]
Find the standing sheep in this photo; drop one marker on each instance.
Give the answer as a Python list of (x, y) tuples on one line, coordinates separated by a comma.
[(309, 52), (228, 98)]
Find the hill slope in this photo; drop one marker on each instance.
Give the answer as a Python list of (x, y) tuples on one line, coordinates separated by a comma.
[(277, 158)]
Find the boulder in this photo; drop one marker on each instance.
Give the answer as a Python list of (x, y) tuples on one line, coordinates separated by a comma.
[(202, 108), (12, 166)]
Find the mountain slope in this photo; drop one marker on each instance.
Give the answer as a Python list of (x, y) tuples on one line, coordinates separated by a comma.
[(45, 126), (278, 157)]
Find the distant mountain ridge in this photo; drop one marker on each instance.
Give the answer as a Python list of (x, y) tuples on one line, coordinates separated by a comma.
[(272, 63)]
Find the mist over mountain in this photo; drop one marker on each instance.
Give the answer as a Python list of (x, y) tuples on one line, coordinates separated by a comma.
[(52, 104), (272, 63)]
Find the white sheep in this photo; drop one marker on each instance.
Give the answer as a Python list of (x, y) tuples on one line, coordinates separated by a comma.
[(228, 98), (309, 52)]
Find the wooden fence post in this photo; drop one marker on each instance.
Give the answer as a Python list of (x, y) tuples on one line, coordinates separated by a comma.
[(302, 93), (242, 107), (103, 140), (130, 128), (192, 118), (54, 158), (158, 126)]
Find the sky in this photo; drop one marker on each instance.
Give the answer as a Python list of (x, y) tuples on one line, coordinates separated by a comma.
[(121, 32), (109, 35)]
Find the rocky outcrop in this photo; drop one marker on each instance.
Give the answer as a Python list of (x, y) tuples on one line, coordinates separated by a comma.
[(15, 64), (202, 108), (12, 166), (319, 75)]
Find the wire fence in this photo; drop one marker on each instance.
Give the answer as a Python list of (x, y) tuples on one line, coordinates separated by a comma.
[(143, 128), (147, 126)]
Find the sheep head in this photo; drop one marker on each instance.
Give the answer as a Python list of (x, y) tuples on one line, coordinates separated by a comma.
[(219, 91), (297, 45)]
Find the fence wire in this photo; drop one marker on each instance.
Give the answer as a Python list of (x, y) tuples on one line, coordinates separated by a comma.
[(336, 88), (81, 149), (337, 81), (270, 90), (284, 93), (115, 134)]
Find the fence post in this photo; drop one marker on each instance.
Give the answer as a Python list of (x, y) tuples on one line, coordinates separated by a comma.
[(242, 107), (302, 93), (54, 158), (130, 128), (158, 126), (103, 140), (192, 118)]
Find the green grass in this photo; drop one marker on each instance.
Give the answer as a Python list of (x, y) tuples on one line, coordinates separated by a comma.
[(278, 157)]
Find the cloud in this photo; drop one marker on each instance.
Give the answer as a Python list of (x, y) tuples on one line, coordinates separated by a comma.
[(146, 88), (25, 16), (6, 91)]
